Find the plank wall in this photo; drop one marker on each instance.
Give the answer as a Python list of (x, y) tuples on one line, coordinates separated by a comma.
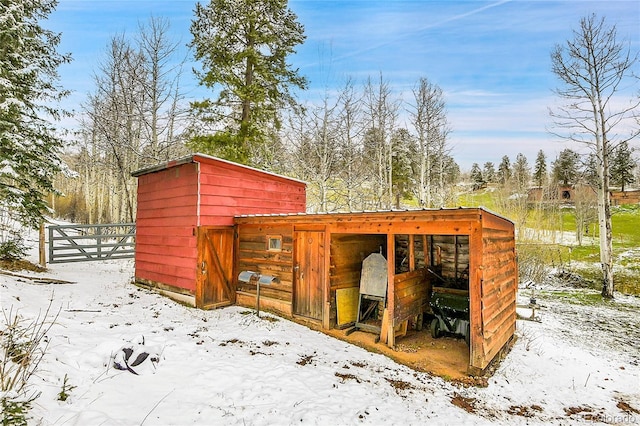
[(228, 190), (347, 253), (412, 293), (452, 263), (253, 255), (499, 285), (166, 250)]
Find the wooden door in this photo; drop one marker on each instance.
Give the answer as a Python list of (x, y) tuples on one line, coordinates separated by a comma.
[(215, 268), (309, 274)]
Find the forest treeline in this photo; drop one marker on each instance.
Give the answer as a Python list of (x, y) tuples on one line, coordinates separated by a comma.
[(360, 147), (350, 147)]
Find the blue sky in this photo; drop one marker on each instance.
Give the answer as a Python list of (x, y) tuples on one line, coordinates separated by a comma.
[(491, 58)]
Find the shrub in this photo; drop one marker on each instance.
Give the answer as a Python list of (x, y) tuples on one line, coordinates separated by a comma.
[(535, 261), (23, 344), (13, 249)]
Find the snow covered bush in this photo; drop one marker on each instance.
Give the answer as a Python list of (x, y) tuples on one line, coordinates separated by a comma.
[(12, 246)]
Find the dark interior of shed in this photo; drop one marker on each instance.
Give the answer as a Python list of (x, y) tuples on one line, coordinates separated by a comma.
[(445, 262)]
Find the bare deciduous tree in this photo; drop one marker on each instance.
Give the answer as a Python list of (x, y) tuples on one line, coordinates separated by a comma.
[(428, 117), (592, 68), (133, 118), (381, 112)]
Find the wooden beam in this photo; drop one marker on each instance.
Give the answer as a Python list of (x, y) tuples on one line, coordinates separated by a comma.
[(326, 287), (476, 356), (391, 262), (412, 253)]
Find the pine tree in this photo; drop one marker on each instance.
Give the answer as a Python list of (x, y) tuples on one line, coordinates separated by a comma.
[(504, 170), (476, 176), (243, 46), (622, 166), (540, 169), (29, 148), (521, 171), (565, 168), (489, 172)]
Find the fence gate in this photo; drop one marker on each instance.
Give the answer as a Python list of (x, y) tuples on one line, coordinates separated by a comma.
[(82, 243)]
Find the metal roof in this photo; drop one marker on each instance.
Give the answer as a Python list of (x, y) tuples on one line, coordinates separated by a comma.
[(374, 212)]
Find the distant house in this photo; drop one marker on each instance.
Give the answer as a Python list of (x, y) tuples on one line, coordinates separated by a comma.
[(562, 194), (625, 197)]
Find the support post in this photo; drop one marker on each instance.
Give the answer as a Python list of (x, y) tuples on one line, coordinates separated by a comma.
[(42, 253)]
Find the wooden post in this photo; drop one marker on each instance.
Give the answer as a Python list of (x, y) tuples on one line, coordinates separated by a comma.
[(42, 246), (412, 253), (476, 355), (391, 290)]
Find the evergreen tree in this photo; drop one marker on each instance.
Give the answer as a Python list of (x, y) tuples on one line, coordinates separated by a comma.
[(504, 170), (521, 171), (476, 176), (402, 169), (243, 46), (540, 169), (489, 172), (622, 166), (29, 148), (590, 171), (565, 168)]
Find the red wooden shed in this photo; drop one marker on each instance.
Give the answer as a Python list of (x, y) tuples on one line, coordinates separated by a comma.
[(210, 231), (177, 198)]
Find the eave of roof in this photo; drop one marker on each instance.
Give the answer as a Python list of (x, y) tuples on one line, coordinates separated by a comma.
[(375, 212), (204, 158)]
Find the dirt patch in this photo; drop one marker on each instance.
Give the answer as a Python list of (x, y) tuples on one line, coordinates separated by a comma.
[(306, 359), (471, 381), (399, 385), (585, 412), (446, 357), (624, 406), (467, 404), (524, 411), (345, 377), (230, 341), (20, 265)]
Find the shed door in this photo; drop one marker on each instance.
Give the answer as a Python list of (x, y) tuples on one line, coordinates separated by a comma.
[(309, 274), (215, 267)]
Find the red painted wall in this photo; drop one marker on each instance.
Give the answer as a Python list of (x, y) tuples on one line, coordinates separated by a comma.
[(228, 190), (174, 200), (165, 226)]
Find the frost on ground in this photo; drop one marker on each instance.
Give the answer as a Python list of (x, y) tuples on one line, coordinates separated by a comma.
[(578, 364)]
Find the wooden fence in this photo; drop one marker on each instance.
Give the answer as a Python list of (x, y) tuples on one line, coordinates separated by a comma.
[(83, 243)]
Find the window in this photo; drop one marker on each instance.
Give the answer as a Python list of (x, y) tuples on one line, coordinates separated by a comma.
[(274, 242)]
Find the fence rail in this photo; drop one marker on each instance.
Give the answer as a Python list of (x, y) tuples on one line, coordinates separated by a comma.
[(83, 243)]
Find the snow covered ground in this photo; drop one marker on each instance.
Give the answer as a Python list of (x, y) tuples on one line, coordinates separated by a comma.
[(579, 364)]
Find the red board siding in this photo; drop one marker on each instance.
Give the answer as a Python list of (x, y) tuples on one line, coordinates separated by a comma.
[(173, 201), (228, 190), (167, 217)]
